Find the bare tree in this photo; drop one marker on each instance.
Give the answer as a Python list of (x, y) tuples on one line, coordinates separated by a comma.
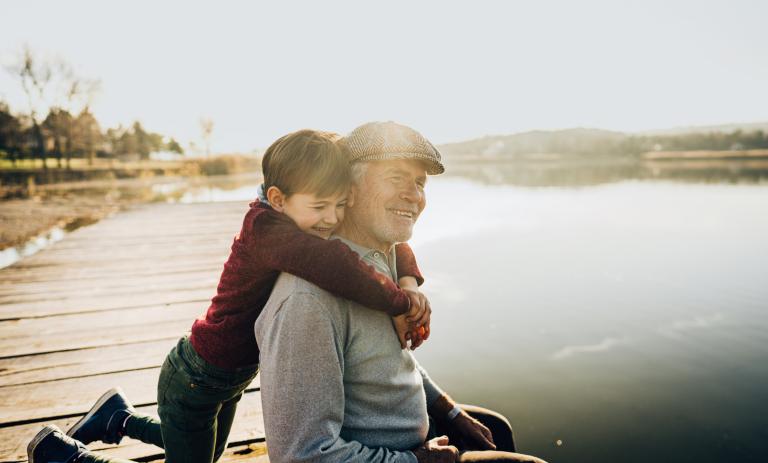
[(206, 129), (51, 85), (35, 76)]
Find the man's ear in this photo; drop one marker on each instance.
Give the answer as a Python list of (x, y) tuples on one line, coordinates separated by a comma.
[(351, 197), (276, 198)]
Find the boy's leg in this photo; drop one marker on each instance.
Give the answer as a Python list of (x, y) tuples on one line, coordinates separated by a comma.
[(91, 457), (224, 425), (111, 418), (145, 428), (187, 415)]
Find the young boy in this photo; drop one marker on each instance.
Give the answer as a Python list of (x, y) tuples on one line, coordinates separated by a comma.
[(306, 178)]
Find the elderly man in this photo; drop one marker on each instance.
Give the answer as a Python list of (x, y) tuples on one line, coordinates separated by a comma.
[(336, 385)]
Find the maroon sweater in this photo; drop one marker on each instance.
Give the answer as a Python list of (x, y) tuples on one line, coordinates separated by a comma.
[(270, 243)]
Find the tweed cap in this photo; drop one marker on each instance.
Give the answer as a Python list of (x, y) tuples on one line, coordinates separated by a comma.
[(380, 141)]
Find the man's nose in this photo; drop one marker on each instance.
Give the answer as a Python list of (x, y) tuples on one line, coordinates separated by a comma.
[(412, 193)]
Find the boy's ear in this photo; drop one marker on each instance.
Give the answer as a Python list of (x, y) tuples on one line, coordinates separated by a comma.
[(276, 198)]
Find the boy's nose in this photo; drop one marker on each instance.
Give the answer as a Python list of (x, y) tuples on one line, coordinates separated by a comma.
[(331, 217)]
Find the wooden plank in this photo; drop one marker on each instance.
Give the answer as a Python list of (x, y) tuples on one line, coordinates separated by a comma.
[(47, 292), (65, 397), (95, 304), (93, 275), (34, 336), (83, 362), (108, 284), (102, 308), (64, 273), (248, 426)]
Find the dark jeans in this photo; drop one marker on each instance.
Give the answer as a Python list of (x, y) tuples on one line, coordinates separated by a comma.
[(196, 403), (503, 437)]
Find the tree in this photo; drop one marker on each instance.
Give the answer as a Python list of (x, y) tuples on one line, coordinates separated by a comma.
[(143, 140), (174, 146), (206, 129), (87, 135), (11, 134), (50, 84), (57, 131), (35, 76)]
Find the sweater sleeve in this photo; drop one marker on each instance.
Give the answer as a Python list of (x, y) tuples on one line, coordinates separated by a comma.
[(279, 245), (406, 263), (431, 389), (303, 404)]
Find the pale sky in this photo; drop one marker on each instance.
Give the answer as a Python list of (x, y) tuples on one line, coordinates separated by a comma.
[(451, 70)]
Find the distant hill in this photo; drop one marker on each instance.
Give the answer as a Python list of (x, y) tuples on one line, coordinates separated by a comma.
[(585, 142), (537, 142), (722, 128)]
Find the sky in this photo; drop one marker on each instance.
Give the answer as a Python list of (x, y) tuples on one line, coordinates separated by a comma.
[(453, 71)]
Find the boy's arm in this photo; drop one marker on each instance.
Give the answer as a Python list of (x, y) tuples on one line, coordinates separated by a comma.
[(406, 263), (330, 264)]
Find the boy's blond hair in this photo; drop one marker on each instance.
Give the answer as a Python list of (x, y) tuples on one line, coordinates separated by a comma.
[(307, 161)]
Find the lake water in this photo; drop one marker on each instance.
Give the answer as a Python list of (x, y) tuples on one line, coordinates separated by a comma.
[(625, 320), (616, 321)]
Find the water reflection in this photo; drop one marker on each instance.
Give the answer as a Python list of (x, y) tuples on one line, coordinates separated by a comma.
[(10, 256), (624, 319), (593, 172)]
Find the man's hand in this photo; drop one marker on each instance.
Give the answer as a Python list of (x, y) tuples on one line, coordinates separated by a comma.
[(437, 450), (474, 433)]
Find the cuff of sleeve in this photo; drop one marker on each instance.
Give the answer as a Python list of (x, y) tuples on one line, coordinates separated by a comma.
[(410, 457), (454, 412)]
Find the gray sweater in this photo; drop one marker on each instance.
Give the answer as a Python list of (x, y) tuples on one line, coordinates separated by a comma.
[(335, 385)]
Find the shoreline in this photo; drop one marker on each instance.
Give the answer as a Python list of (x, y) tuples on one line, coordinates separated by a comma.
[(71, 205)]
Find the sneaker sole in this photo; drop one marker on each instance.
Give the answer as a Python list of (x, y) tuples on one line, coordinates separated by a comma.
[(37, 439), (102, 400)]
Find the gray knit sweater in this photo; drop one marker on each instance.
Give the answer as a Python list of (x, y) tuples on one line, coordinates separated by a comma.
[(335, 385)]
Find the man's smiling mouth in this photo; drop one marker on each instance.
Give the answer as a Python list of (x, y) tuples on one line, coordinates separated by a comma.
[(402, 213)]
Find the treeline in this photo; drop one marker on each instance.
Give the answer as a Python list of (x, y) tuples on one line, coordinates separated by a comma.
[(736, 140), (64, 136), (601, 143), (58, 122)]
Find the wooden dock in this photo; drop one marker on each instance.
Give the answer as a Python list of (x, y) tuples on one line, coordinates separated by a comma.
[(102, 308)]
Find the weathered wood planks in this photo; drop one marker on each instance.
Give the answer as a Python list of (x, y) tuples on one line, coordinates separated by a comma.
[(102, 308)]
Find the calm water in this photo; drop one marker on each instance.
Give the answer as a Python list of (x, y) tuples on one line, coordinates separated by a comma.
[(625, 319)]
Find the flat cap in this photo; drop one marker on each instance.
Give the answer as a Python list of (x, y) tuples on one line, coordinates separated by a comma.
[(381, 141)]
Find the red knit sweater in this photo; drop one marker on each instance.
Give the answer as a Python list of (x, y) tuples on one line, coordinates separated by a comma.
[(270, 243)]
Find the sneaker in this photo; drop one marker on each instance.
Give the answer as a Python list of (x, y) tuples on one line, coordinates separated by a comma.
[(105, 420), (52, 445)]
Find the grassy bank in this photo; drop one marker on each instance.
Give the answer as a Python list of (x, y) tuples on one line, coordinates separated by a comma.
[(23, 179)]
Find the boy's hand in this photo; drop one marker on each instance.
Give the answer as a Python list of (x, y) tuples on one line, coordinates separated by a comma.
[(403, 330), (420, 312)]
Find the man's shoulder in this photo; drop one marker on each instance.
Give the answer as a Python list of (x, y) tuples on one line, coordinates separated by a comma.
[(288, 285), (302, 296)]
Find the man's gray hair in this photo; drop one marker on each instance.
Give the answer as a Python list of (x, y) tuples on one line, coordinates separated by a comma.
[(358, 170)]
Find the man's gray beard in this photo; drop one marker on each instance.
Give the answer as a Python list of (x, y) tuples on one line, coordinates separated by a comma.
[(388, 235)]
